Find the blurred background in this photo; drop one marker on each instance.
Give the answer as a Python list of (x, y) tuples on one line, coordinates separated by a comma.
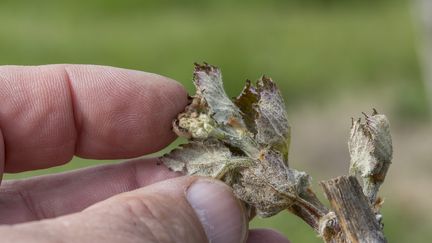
[(332, 59)]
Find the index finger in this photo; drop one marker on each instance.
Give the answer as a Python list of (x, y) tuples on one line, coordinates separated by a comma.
[(49, 113)]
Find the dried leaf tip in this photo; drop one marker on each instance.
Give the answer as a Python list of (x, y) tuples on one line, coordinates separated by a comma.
[(370, 147)]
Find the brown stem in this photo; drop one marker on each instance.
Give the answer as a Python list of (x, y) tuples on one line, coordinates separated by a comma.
[(309, 208), (354, 215)]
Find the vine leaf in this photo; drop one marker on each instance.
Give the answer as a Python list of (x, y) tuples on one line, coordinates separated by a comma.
[(270, 185), (208, 81), (204, 158), (243, 143), (265, 112)]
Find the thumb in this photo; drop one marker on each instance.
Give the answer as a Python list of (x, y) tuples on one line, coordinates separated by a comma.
[(183, 209)]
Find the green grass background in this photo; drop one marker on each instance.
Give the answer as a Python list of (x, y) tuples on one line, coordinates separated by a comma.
[(313, 49)]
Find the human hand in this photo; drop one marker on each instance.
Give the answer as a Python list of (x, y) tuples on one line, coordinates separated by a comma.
[(50, 113)]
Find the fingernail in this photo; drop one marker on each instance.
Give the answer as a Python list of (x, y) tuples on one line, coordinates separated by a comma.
[(220, 213)]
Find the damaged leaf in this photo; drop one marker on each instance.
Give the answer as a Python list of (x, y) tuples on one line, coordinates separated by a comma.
[(264, 110), (244, 143), (212, 114), (247, 102), (270, 185), (208, 83), (207, 158)]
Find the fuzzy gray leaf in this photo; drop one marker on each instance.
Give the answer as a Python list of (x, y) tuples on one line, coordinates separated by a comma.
[(212, 114), (203, 158), (208, 81), (269, 185), (272, 123)]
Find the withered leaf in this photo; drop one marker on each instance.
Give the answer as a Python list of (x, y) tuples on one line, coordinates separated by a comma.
[(244, 144), (204, 158), (247, 102), (265, 114), (208, 82), (272, 122), (212, 114), (269, 185)]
